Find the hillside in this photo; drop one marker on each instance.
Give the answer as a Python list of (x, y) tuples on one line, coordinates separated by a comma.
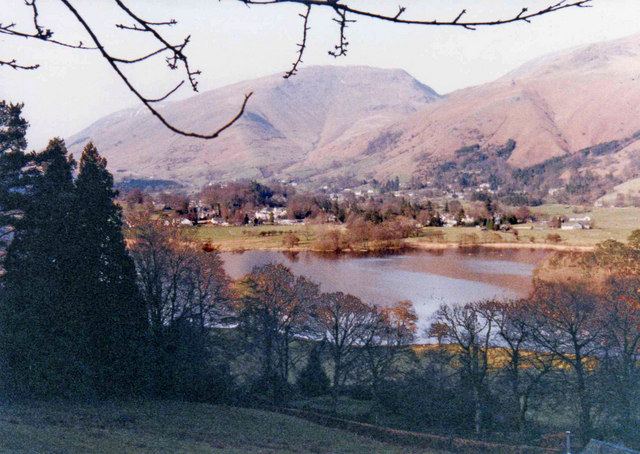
[(168, 427), (551, 107), (330, 122), (285, 122)]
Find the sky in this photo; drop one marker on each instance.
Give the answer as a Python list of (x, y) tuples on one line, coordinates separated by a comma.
[(231, 42)]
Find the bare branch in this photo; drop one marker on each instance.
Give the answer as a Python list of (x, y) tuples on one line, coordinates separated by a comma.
[(345, 8), (341, 47), (178, 55), (147, 101), (14, 64), (302, 45), (9, 30), (40, 31), (139, 59), (169, 22), (169, 93), (133, 27), (462, 13)]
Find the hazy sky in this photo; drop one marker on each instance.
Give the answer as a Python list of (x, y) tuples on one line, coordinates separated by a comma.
[(230, 43)]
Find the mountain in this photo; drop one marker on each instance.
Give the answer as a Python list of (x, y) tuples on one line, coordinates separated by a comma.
[(577, 109), (285, 123), (552, 107)]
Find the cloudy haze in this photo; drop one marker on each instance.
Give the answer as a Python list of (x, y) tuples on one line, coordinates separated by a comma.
[(231, 42)]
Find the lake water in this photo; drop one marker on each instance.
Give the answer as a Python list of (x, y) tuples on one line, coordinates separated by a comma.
[(428, 278)]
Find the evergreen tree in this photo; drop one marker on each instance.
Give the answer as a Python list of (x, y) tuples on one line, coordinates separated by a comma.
[(40, 348), (13, 129), (312, 380), (73, 323), (114, 315)]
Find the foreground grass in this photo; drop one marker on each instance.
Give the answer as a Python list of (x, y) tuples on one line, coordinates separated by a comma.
[(168, 427)]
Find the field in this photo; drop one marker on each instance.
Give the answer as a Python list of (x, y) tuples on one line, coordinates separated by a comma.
[(608, 223), (628, 188), (255, 237), (168, 427)]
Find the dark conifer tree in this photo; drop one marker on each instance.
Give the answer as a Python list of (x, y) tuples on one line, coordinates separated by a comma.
[(41, 349), (13, 129), (312, 380), (73, 323), (114, 314)]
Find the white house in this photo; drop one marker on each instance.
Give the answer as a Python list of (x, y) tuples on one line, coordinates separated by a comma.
[(572, 226)]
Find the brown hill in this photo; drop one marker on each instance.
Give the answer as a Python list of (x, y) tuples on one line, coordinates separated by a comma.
[(364, 122), (285, 122), (553, 106)]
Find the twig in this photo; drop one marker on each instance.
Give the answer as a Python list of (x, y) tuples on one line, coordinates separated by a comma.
[(341, 47), (302, 46), (345, 8), (148, 101), (14, 64)]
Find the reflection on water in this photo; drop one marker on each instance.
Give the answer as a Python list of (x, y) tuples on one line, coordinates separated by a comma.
[(427, 278)]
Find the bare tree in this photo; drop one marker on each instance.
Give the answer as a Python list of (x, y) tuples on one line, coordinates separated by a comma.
[(471, 328), (177, 279), (392, 329), (273, 307), (176, 57), (345, 321), (184, 289), (523, 366), (564, 320), (621, 339)]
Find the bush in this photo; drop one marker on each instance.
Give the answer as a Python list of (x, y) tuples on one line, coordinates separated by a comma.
[(290, 240), (554, 238), (434, 236), (468, 238)]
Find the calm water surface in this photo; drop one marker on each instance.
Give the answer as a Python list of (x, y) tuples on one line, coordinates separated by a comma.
[(428, 278)]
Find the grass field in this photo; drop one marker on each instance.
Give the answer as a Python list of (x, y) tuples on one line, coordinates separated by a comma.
[(628, 188), (255, 237), (608, 223), (168, 427)]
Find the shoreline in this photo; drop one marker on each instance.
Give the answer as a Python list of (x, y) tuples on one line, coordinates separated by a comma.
[(425, 246), (542, 246)]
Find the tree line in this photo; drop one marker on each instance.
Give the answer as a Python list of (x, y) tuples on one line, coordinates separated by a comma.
[(570, 347)]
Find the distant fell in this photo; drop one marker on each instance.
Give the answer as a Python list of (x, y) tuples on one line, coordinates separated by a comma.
[(551, 107), (285, 122), (328, 123)]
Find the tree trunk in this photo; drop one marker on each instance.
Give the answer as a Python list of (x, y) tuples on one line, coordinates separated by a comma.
[(336, 380), (585, 402), (478, 411)]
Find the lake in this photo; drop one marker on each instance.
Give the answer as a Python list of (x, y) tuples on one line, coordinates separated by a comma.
[(428, 278)]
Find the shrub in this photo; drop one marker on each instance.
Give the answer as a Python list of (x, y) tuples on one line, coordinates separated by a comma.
[(290, 240), (554, 238)]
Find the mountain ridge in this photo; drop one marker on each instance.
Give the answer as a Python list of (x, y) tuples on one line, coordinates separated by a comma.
[(284, 120), (365, 122)]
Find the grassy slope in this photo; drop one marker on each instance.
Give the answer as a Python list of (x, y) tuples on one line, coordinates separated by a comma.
[(168, 427), (629, 187)]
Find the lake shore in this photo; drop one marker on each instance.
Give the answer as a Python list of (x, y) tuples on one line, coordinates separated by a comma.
[(542, 246), (410, 245), (607, 224)]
